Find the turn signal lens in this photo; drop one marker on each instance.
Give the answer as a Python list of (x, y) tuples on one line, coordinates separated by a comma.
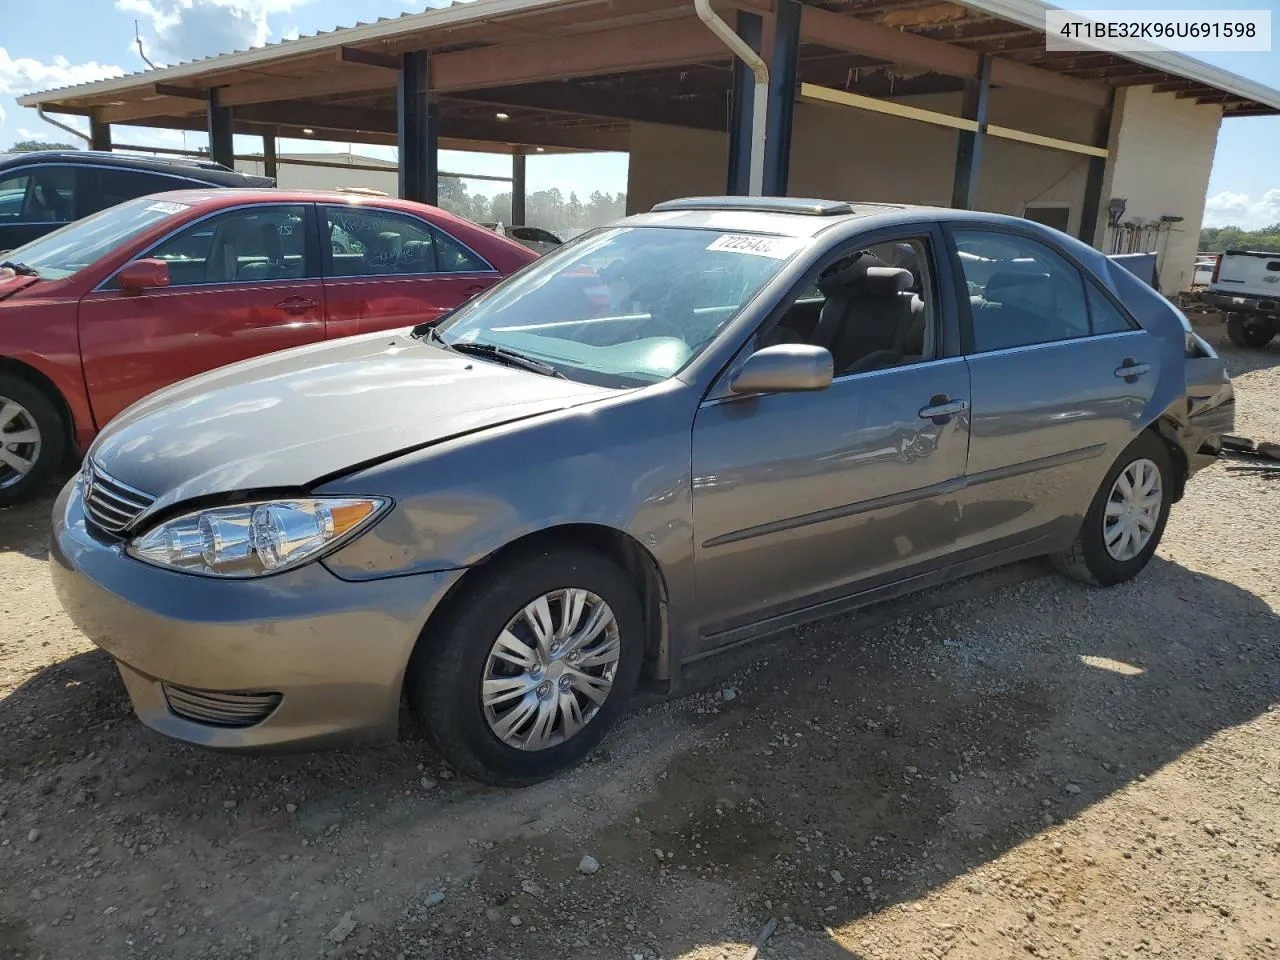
[(253, 539)]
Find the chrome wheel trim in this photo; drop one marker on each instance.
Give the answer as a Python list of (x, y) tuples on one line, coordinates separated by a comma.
[(551, 669), (1133, 510), (20, 442)]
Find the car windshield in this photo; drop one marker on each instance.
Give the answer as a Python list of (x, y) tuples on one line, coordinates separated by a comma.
[(624, 306), (75, 246)]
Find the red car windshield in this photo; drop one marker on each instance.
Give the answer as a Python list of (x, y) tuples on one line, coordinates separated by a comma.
[(75, 246)]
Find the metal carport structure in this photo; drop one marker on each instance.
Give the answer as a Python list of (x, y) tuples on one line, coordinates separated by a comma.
[(569, 75)]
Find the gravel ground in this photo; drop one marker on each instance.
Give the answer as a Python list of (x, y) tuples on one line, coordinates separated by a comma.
[(1013, 765)]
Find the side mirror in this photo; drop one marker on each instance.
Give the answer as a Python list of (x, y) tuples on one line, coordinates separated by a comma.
[(785, 368), (142, 275)]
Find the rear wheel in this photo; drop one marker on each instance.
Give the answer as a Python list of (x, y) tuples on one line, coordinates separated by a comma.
[(530, 666), (1126, 518), (32, 440), (1250, 332)]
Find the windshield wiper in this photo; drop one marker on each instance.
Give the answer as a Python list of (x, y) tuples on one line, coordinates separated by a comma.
[(503, 355), (21, 269)]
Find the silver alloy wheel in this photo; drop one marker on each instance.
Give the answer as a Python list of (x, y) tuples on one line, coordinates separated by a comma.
[(1133, 510), (551, 669), (19, 442)]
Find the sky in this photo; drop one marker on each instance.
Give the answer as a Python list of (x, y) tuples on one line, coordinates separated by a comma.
[(95, 39)]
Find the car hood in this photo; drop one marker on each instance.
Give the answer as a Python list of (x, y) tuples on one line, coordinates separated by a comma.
[(289, 419)]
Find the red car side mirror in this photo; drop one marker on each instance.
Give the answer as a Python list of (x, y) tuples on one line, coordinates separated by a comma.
[(142, 275)]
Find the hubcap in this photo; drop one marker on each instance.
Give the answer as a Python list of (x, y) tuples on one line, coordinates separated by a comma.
[(19, 442), (550, 670), (1132, 510)]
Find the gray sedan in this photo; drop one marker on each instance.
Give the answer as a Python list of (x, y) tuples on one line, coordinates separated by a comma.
[(672, 435)]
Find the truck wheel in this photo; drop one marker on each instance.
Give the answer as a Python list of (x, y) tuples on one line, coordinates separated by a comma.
[(1250, 333), (32, 440)]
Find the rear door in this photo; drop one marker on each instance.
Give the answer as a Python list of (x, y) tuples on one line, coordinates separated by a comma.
[(386, 269), (243, 282), (1061, 377)]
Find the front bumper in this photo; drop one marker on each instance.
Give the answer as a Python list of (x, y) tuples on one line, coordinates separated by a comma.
[(322, 658)]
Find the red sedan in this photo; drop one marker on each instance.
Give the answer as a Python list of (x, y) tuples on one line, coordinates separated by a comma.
[(106, 310)]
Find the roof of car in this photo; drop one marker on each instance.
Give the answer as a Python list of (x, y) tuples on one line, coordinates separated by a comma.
[(190, 167), (797, 218)]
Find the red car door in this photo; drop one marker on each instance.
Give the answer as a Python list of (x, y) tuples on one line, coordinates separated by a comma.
[(388, 269), (242, 282)]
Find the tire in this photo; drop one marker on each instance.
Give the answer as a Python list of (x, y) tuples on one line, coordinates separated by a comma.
[(449, 664), (34, 413), (1089, 560), (1246, 334)]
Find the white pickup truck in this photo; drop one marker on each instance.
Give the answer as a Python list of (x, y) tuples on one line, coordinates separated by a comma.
[(1246, 287)]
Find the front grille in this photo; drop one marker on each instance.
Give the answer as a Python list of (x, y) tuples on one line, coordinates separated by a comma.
[(110, 504), (220, 709)]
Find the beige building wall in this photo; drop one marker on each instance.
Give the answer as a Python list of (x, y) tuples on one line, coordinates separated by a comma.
[(847, 154), (1161, 154), (293, 176)]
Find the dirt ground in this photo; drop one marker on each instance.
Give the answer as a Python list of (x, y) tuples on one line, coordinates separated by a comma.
[(1013, 765)]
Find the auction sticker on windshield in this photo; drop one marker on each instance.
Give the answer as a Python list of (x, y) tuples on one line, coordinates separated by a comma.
[(776, 248), (167, 206)]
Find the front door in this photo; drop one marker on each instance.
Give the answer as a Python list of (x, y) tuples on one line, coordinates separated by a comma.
[(242, 283), (36, 200), (1061, 377), (807, 497), (389, 269)]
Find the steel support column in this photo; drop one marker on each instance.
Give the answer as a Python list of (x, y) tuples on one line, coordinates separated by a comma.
[(782, 97), (1097, 173), (518, 193), (221, 144), (964, 193), (738, 182), (269, 155), (99, 133), (416, 134)]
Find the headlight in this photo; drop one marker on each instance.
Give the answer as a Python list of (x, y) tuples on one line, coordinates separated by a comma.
[(253, 539)]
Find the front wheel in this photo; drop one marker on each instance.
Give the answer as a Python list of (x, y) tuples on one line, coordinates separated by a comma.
[(1126, 518), (1250, 333), (530, 666), (32, 440)]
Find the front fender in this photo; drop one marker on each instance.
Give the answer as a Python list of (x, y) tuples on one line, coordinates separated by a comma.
[(622, 464)]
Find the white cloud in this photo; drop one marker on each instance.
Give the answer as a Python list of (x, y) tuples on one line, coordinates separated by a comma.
[(190, 29), (1228, 209), (24, 74)]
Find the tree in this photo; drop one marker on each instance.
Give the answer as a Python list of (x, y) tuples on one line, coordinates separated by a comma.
[(35, 146), (1218, 239)]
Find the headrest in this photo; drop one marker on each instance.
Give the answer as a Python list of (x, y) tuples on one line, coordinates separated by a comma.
[(269, 237), (1017, 282), (867, 274)]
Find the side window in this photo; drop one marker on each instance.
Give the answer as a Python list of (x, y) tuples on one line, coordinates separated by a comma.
[(364, 241), (13, 195), (1105, 315), (873, 308), (455, 258), (41, 194), (1020, 292), (259, 242), (116, 185)]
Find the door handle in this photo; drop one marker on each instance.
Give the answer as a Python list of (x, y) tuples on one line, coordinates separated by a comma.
[(473, 290), (296, 305), (942, 408), (1130, 369)]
